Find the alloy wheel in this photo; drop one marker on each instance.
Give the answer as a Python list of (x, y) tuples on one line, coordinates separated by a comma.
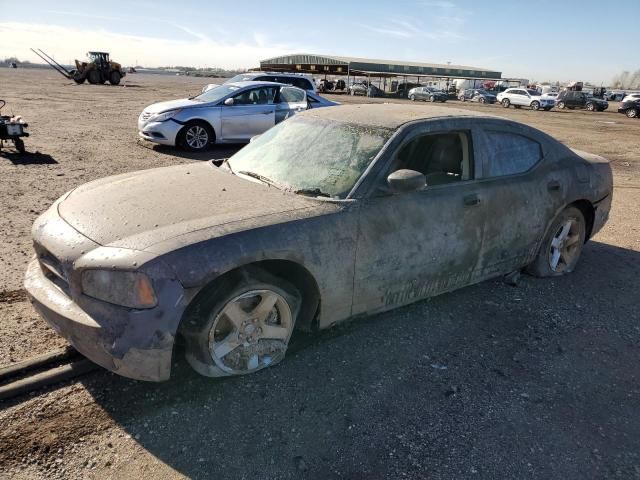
[(251, 332), (197, 137), (565, 246)]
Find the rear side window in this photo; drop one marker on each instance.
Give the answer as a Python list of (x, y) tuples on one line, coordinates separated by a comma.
[(302, 83), (511, 153)]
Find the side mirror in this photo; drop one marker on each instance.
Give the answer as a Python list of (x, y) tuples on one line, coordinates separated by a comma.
[(255, 137), (404, 180), (228, 102)]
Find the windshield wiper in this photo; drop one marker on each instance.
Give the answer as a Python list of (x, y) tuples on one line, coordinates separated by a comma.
[(228, 165), (315, 192), (262, 178)]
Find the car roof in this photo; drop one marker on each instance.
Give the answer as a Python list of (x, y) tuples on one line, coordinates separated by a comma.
[(389, 115), (254, 83), (279, 74)]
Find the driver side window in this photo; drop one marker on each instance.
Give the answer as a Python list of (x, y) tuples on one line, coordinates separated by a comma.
[(256, 96), (441, 158)]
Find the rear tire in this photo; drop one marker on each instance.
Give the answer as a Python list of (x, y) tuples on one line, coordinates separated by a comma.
[(94, 77), (561, 248), (196, 136), (506, 103), (114, 78), (241, 325)]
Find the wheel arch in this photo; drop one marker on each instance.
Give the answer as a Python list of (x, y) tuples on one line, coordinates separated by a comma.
[(191, 121), (288, 270), (589, 213)]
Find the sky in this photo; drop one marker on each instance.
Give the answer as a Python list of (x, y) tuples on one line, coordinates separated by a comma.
[(542, 40)]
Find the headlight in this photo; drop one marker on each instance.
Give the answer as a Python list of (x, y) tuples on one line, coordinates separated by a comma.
[(162, 117), (129, 289)]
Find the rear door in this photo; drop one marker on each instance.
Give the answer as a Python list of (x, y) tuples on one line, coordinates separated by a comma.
[(252, 113), (518, 198), (290, 100)]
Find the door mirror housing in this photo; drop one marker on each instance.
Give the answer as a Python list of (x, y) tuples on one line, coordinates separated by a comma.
[(404, 180), (228, 102), (254, 138)]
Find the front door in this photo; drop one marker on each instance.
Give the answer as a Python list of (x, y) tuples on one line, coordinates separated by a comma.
[(253, 112), (418, 244)]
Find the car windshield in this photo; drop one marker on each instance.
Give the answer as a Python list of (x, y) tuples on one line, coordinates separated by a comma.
[(312, 155), (216, 94), (243, 77)]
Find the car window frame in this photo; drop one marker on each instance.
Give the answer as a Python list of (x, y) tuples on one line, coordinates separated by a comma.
[(483, 143), (371, 179)]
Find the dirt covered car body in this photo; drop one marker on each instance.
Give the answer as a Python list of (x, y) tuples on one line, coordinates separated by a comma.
[(386, 205)]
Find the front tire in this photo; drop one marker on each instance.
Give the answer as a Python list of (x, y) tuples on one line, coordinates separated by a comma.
[(94, 77), (482, 100), (561, 105), (591, 107), (632, 113), (196, 137), (562, 245), (432, 99), (412, 98), (506, 103), (535, 106), (114, 78), (241, 325)]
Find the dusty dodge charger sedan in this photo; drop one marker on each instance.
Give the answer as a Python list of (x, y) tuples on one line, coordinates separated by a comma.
[(334, 213)]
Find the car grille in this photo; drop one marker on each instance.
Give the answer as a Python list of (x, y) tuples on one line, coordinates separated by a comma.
[(52, 269)]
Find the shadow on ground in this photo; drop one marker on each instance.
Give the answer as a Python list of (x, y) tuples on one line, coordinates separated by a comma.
[(216, 152), (27, 158), (491, 381)]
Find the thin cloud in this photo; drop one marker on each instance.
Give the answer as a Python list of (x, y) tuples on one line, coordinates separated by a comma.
[(195, 50), (442, 28), (442, 4)]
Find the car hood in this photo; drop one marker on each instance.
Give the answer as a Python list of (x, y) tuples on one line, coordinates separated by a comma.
[(141, 209), (171, 105)]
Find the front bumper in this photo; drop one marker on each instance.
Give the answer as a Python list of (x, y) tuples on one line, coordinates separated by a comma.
[(100, 337), (163, 133)]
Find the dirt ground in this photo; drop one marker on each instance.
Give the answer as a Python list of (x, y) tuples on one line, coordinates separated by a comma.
[(541, 380)]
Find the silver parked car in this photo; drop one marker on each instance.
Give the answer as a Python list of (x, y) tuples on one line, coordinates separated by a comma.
[(336, 212), (230, 113)]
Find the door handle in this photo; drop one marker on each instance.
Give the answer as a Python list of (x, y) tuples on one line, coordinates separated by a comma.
[(471, 200), (553, 186), (267, 112)]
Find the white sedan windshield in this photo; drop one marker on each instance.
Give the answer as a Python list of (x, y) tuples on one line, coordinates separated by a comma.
[(215, 94)]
